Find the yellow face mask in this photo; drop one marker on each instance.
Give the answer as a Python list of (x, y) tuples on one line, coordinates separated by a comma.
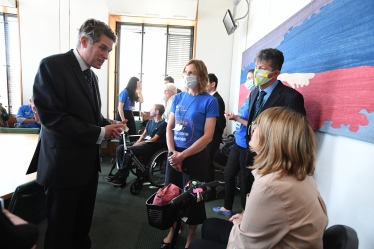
[(261, 76)]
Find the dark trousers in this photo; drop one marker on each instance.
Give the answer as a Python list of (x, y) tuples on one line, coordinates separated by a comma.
[(214, 234), (124, 159), (130, 124), (70, 212), (213, 147), (196, 166), (235, 163)]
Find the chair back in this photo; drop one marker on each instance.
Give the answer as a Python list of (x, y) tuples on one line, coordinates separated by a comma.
[(340, 237), (29, 202)]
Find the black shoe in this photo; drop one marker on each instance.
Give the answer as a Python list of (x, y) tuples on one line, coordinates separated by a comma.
[(110, 178), (119, 181), (164, 245)]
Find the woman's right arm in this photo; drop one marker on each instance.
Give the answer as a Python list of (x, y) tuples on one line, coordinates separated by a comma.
[(231, 116), (120, 110)]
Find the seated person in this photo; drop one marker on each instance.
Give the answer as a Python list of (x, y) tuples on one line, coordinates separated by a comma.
[(147, 144), (284, 208), (4, 116), (27, 116), (15, 232)]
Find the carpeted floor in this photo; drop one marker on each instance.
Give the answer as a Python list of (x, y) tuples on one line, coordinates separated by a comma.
[(120, 219)]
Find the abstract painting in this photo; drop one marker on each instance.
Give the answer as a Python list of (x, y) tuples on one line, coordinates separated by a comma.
[(329, 57)]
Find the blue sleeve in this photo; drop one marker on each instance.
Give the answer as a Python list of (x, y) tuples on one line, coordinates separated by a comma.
[(176, 100), (123, 96), (162, 130), (212, 108)]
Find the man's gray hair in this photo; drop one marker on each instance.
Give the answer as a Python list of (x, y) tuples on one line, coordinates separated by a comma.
[(93, 29)]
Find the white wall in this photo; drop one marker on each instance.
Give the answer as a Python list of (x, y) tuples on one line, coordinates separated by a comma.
[(50, 27), (345, 167), (213, 45)]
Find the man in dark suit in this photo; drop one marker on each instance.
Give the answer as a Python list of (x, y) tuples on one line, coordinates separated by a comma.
[(268, 66), (67, 98), (218, 131)]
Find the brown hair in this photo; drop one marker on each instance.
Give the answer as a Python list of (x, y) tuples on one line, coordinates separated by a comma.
[(201, 74), (160, 109), (287, 143)]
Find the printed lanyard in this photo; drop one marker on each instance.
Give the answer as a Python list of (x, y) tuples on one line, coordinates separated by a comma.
[(180, 122), (154, 126), (259, 109)]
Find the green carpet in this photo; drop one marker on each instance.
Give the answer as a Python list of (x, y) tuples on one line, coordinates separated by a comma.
[(150, 237)]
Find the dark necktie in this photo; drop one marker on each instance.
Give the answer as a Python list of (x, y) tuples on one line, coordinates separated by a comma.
[(88, 75), (259, 102)]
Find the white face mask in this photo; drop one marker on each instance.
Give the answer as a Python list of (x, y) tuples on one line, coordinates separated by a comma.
[(190, 81), (261, 76), (249, 85)]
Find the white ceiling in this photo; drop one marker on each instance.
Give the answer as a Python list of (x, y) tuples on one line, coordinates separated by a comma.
[(8, 3), (175, 9)]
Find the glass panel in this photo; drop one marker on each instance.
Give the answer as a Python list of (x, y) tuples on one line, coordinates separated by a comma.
[(154, 56), (130, 54), (3, 78), (13, 59)]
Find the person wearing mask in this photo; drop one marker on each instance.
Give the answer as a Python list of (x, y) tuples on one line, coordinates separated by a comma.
[(67, 98), (238, 154), (285, 208), (126, 103), (169, 91), (218, 131), (269, 92), (190, 129), (27, 116)]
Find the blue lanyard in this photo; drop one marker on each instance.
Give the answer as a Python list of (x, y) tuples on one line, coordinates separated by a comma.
[(179, 111)]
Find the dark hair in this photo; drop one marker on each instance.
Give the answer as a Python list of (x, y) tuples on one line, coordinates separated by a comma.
[(213, 78), (250, 71), (169, 78), (272, 54), (93, 29), (160, 108), (131, 88)]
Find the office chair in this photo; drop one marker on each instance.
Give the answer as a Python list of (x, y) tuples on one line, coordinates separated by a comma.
[(340, 237), (29, 202)]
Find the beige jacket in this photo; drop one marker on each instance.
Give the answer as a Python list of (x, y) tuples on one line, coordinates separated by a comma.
[(281, 213)]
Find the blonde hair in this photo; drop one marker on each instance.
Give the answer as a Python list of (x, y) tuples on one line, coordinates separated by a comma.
[(286, 144), (201, 74), (171, 87)]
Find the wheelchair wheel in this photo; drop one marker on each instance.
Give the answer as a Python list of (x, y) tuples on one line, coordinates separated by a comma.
[(136, 187), (157, 168)]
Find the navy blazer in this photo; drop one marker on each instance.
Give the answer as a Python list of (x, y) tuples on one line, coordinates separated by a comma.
[(281, 96), (67, 154)]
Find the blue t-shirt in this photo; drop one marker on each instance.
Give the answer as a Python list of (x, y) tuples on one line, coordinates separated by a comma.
[(191, 112), (25, 112), (240, 134), (125, 98)]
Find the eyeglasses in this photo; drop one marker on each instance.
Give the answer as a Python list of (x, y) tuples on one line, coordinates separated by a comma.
[(166, 91), (254, 125)]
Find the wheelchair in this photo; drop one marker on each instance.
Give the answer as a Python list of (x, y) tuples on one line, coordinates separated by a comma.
[(152, 170)]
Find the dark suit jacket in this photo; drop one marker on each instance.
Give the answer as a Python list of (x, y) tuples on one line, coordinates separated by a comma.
[(67, 153), (221, 120), (281, 96)]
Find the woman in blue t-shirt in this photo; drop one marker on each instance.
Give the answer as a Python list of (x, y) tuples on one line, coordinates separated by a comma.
[(237, 156), (126, 103), (191, 124)]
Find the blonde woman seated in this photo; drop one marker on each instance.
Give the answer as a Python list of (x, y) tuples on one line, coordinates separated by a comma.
[(284, 208)]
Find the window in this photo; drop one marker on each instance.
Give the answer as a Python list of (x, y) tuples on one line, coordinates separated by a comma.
[(151, 53), (10, 71)]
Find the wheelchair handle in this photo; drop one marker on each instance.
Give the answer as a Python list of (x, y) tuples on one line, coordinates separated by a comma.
[(188, 194)]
